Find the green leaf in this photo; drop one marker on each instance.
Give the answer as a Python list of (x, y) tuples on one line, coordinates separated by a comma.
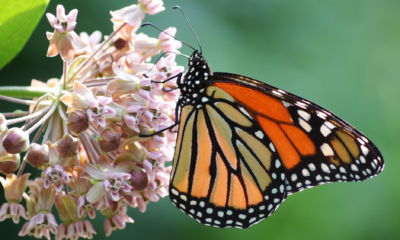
[(18, 19)]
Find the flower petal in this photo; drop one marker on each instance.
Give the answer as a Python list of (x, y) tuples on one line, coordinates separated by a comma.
[(96, 192), (94, 172)]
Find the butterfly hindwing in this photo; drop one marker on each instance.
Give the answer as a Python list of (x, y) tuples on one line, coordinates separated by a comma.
[(225, 171), (314, 145)]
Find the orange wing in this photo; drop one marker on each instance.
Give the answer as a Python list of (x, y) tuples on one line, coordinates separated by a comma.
[(314, 145), (225, 170)]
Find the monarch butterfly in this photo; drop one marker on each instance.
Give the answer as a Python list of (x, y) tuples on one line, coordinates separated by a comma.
[(243, 146)]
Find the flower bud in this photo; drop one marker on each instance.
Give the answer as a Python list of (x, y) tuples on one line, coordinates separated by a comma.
[(16, 141), (109, 140), (3, 124), (139, 179), (120, 43), (78, 121), (9, 163), (128, 131), (67, 146), (38, 155)]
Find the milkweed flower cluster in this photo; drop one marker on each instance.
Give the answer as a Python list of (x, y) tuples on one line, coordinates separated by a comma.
[(98, 134)]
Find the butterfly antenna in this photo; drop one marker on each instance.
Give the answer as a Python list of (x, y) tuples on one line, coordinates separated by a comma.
[(177, 7), (180, 54), (150, 24)]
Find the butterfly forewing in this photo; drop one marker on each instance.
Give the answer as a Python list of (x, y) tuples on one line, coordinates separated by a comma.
[(315, 145)]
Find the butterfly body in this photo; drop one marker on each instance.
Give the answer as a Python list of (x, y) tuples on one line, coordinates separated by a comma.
[(243, 146)]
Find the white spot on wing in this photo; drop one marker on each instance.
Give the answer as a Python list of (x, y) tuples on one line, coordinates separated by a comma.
[(325, 130), (327, 150), (271, 145), (305, 125), (301, 104), (325, 168), (183, 197), (277, 164), (286, 104), (305, 115), (294, 177), (174, 192), (329, 125), (354, 167), (311, 166), (321, 115), (364, 149), (260, 134), (305, 172), (245, 112)]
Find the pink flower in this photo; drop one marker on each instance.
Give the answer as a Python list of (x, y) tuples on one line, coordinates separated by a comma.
[(155, 115), (133, 117), (134, 14), (152, 6), (14, 188), (63, 23), (111, 182), (64, 40), (75, 230), (56, 176), (117, 221), (92, 42), (168, 68), (43, 222), (83, 206), (159, 176), (98, 109), (168, 43), (146, 46)]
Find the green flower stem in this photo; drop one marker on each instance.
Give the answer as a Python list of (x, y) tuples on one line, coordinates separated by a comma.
[(26, 92)]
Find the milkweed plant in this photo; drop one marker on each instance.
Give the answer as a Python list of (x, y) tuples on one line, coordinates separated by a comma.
[(95, 134)]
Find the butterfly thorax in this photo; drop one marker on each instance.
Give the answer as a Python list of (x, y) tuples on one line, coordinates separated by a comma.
[(195, 80)]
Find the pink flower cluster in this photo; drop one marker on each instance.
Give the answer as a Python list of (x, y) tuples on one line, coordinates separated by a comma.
[(104, 129)]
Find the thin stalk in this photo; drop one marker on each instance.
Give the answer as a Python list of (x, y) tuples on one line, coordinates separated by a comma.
[(20, 101), (54, 130), (92, 65), (66, 188), (88, 147), (77, 161), (106, 79), (40, 131), (61, 112), (21, 119), (65, 75), (17, 114), (97, 50), (25, 92), (41, 121), (48, 130), (21, 168)]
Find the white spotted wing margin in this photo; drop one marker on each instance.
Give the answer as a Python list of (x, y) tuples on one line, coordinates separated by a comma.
[(342, 152), (225, 173)]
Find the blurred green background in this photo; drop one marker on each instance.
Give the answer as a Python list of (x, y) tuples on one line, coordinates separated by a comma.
[(343, 55)]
